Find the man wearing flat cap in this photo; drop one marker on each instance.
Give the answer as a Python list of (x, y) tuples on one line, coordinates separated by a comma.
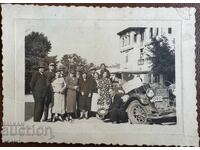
[(38, 86), (50, 75), (61, 68)]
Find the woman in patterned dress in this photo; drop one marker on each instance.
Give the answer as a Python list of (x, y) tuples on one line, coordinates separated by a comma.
[(105, 88)]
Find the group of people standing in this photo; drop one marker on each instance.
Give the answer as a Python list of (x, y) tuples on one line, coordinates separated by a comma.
[(79, 94)]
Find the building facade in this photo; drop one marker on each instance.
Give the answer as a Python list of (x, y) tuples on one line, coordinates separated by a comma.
[(133, 50)]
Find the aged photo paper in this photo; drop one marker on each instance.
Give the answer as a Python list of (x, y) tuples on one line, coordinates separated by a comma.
[(99, 75)]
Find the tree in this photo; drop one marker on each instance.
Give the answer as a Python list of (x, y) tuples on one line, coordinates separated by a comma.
[(73, 61), (49, 59), (162, 58), (37, 47)]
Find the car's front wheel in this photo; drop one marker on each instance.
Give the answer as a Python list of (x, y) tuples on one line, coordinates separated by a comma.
[(137, 113)]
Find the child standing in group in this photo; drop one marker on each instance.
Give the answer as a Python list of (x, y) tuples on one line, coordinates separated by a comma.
[(59, 87)]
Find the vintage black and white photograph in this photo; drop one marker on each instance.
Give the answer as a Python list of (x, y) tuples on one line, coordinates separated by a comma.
[(103, 75), (100, 72)]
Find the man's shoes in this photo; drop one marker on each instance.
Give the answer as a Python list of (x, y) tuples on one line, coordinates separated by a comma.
[(66, 119), (115, 122), (70, 119), (81, 117), (60, 118), (107, 121), (86, 115), (49, 120), (44, 120)]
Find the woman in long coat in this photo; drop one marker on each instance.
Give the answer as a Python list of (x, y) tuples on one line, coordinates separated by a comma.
[(85, 96), (72, 87), (79, 77)]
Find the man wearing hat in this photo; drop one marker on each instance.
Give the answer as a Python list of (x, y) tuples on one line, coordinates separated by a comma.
[(38, 86), (61, 68), (50, 75), (92, 70)]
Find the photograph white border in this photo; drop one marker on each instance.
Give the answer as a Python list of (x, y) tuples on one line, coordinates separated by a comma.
[(15, 18)]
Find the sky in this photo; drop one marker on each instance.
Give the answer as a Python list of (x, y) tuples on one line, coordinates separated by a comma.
[(95, 40), (90, 32)]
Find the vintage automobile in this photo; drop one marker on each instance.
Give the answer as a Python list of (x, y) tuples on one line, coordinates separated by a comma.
[(149, 103)]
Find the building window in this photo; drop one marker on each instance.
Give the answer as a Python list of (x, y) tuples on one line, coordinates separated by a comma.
[(142, 39), (128, 37), (157, 31), (126, 58), (141, 53), (142, 36), (135, 38), (123, 42), (126, 40), (140, 61), (149, 77), (157, 78), (151, 32), (169, 30)]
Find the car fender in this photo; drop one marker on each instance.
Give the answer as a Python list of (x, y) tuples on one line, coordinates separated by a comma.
[(133, 98)]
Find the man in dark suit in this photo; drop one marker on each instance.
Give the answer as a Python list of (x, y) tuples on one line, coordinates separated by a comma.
[(48, 104), (38, 86)]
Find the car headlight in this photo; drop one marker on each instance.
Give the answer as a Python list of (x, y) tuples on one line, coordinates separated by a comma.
[(150, 93), (144, 100), (125, 98)]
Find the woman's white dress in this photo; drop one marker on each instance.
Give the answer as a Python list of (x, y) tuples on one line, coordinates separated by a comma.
[(95, 97), (59, 86), (94, 106)]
